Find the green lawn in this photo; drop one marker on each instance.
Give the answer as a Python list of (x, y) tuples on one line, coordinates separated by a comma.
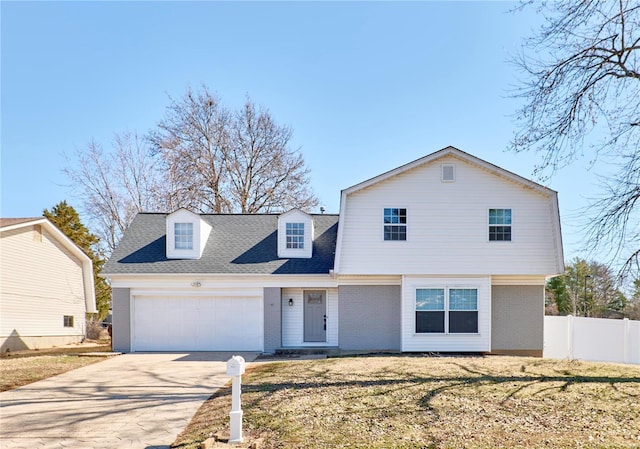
[(431, 402)]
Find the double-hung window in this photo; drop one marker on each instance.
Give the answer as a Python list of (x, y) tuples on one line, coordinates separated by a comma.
[(183, 235), (295, 235), (463, 310), (499, 225), (430, 310), (395, 223), (446, 310)]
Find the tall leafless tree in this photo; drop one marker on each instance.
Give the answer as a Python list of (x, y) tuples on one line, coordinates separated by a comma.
[(191, 141), (264, 173), (202, 157), (115, 185), (581, 87), (218, 160)]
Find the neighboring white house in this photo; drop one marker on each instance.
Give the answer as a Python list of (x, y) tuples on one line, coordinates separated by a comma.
[(448, 253), (46, 286)]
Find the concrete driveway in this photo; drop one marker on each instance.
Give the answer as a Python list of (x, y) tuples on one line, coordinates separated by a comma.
[(139, 401)]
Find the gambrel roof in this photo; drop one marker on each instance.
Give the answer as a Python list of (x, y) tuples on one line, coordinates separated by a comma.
[(452, 152), (458, 154)]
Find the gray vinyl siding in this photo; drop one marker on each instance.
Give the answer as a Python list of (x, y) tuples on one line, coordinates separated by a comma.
[(272, 319), (121, 330), (517, 317), (369, 317)]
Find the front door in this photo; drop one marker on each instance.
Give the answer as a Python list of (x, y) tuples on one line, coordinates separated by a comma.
[(315, 316)]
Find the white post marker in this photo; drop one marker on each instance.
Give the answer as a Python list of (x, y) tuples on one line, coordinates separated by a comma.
[(235, 369)]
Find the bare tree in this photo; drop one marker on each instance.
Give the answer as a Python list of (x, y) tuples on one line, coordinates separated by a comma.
[(217, 160), (263, 172), (113, 186), (582, 79), (191, 141), (202, 157)]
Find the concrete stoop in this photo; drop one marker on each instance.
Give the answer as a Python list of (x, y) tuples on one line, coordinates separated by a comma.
[(293, 352), (329, 351)]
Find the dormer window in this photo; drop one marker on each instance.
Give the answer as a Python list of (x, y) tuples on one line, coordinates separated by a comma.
[(183, 235), (187, 235), (295, 235)]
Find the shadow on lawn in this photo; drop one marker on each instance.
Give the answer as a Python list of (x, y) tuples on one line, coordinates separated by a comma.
[(475, 378), (263, 382)]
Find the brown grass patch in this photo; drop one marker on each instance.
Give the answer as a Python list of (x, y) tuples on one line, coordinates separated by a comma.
[(431, 402), (19, 368)]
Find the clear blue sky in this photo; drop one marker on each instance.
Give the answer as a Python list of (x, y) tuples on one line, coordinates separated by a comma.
[(365, 86)]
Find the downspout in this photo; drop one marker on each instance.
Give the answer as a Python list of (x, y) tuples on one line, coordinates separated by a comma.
[(89, 287), (341, 216)]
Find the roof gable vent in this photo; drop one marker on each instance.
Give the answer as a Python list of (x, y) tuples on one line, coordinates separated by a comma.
[(448, 172)]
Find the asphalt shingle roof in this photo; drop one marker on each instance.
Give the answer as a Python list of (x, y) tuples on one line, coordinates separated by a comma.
[(13, 221), (237, 244)]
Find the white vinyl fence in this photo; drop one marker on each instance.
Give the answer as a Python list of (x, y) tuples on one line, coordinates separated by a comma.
[(595, 339)]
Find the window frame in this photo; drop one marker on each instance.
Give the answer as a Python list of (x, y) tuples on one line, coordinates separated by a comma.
[(437, 312), (68, 321), (397, 226), (447, 309), (178, 234), (500, 225), (294, 241)]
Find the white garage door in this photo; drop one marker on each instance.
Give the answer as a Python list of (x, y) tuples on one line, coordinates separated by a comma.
[(197, 324)]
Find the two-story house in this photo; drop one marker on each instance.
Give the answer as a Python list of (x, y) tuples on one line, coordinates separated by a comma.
[(448, 253)]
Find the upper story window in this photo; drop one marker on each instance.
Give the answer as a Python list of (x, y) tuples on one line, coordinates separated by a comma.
[(295, 235), (187, 235), (500, 225), (183, 235), (395, 223)]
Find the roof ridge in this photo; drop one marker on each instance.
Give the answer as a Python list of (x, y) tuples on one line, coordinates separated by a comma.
[(242, 214)]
